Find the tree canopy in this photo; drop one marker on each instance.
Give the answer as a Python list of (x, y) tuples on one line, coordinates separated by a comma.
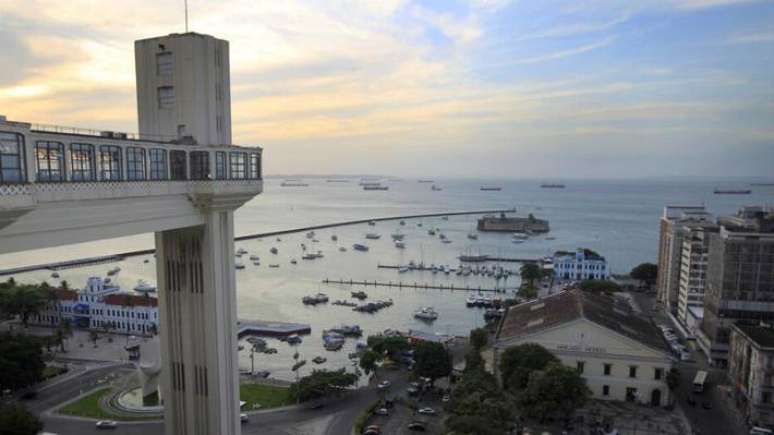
[(23, 300), (518, 362), (645, 273), (368, 360), (432, 360), (479, 338), (390, 346), (554, 392), (322, 383), (530, 272), (21, 361), (15, 419)]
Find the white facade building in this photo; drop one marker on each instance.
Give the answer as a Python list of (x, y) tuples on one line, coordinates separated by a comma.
[(620, 355), (580, 265), (102, 307), (693, 271)]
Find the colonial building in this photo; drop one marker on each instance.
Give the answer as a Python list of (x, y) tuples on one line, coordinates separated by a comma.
[(580, 265), (621, 356), (675, 221), (750, 368), (102, 307), (740, 278)]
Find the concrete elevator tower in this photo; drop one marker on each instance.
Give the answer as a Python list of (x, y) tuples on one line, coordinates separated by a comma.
[(180, 178)]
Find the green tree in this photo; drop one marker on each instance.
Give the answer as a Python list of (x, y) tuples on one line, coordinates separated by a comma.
[(16, 420), (599, 286), (322, 383), (645, 273), (473, 360), (527, 292), (64, 284), (530, 272), (21, 361), (554, 392), (478, 397), (432, 360), (389, 346), (479, 338), (471, 425), (27, 300), (673, 378), (518, 362), (368, 361), (63, 331)]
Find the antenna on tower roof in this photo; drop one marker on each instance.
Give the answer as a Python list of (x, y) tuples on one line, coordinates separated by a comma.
[(186, 16)]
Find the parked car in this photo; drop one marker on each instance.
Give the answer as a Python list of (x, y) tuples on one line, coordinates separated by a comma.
[(706, 404), (382, 411), (445, 398), (417, 426), (383, 385), (412, 391), (107, 424), (243, 418), (426, 411), (372, 430)]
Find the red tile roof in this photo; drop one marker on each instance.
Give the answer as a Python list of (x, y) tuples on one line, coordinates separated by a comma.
[(127, 299)]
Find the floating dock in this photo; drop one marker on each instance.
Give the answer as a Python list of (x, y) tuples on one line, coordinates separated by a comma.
[(415, 285), (271, 329)]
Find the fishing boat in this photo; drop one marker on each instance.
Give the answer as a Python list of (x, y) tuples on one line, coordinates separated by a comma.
[(114, 271), (319, 298), (372, 223), (471, 300), (273, 250), (426, 313), (255, 258), (435, 188), (346, 330), (239, 265), (447, 241), (473, 236), (55, 275), (144, 287), (241, 251), (399, 244), (146, 261), (403, 269), (359, 247), (403, 223), (293, 261), (293, 339), (431, 232), (491, 188), (732, 191), (274, 266), (310, 235), (334, 237), (397, 236), (520, 235), (359, 295), (373, 236), (342, 249), (309, 256), (278, 239), (319, 360)]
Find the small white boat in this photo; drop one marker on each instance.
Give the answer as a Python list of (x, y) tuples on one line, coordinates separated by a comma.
[(520, 236), (471, 300), (397, 236), (144, 287), (403, 269), (399, 244), (426, 313), (359, 247)]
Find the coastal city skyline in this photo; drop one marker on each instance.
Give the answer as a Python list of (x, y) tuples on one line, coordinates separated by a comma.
[(602, 89)]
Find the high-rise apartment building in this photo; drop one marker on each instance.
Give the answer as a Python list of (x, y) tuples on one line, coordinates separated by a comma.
[(740, 278), (693, 268), (675, 221)]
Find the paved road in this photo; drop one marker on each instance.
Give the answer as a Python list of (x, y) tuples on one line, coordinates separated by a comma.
[(335, 418)]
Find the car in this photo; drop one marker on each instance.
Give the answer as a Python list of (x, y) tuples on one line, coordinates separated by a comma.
[(445, 398), (381, 411), (417, 426), (412, 391), (706, 404), (426, 411), (383, 385), (414, 384), (243, 418), (107, 424), (372, 430)]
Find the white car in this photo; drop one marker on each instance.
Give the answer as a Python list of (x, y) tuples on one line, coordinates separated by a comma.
[(243, 418), (382, 411), (383, 385), (426, 411), (107, 424)]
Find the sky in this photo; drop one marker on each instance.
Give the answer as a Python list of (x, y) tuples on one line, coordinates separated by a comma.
[(476, 88)]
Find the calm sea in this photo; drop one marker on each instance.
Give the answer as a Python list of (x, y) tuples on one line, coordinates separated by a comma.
[(619, 219)]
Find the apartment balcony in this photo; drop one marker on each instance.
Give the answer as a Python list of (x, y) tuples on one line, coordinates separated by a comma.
[(70, 180)]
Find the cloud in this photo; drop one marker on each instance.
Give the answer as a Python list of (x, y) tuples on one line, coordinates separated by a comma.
[(566, 53), (752, 38)]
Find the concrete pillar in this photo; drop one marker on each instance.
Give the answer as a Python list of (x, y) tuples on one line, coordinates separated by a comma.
[(197, 309)]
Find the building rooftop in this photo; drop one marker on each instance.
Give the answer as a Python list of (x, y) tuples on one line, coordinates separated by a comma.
[(587, 253), (762, 336), (607, 311)]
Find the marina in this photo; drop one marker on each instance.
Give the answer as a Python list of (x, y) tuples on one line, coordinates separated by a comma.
[(415, 285)]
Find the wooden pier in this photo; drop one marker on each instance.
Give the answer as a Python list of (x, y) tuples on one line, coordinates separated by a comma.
[(416, 285)]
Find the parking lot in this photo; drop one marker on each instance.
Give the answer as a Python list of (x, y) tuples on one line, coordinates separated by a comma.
[(403, 408)]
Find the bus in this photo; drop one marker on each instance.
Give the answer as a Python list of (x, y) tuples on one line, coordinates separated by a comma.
[(699, 381)]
